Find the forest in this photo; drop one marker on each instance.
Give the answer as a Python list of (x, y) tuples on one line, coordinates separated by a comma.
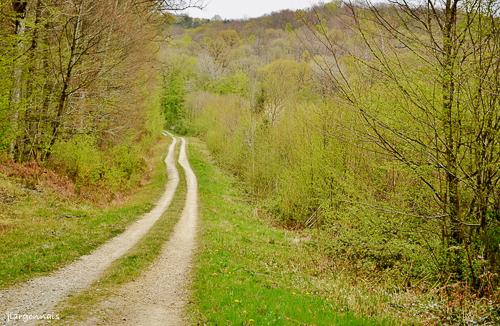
[(74, 78), (377, 125), (369, 130)]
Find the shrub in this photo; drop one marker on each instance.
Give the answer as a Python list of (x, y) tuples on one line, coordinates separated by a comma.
[(80, 159), (236, 83), (124, 166)]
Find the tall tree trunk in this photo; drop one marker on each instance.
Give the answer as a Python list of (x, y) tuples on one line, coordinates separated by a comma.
[(20, 9), (26, 136), (64, 95), (454, 232), (41, 116)]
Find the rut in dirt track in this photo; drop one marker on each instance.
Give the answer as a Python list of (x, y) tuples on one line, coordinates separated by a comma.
[(159, 295), (39, 295)]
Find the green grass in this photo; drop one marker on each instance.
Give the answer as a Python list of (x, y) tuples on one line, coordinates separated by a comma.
[(127, 268), (248, 272), (37, 236)]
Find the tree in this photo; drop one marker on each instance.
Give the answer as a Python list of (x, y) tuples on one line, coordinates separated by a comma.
[(436, 63), (281, 83), (20, 10), (173, 98), (219, 48), (66, 66)]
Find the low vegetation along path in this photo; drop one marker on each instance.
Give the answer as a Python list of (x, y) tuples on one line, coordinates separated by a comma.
[(158, 294)]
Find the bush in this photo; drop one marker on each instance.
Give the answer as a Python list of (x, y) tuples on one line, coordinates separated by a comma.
[(80, 159), (124, 166)]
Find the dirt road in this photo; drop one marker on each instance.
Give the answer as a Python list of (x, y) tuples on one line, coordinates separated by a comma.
[(158, 297)]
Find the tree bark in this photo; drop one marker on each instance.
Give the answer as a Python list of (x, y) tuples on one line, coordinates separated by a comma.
[(20, 9), (453, 197), (25, 137)]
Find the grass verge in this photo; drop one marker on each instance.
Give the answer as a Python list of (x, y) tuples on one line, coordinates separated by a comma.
[(41, 231), (248, 272)]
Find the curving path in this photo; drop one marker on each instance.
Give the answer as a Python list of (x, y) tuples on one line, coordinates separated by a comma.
[(158, 296), (39, 295)]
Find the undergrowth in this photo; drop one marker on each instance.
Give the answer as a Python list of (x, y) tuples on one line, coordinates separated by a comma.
[(44, 224)]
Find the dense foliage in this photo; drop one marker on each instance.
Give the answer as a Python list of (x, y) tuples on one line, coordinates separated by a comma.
[(78, 86), (377, 125)]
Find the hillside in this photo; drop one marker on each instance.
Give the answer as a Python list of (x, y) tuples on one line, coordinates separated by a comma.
[(348, 124), (337, 165)]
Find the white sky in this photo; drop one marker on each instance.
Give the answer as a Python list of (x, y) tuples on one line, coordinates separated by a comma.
[(232, 9)]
